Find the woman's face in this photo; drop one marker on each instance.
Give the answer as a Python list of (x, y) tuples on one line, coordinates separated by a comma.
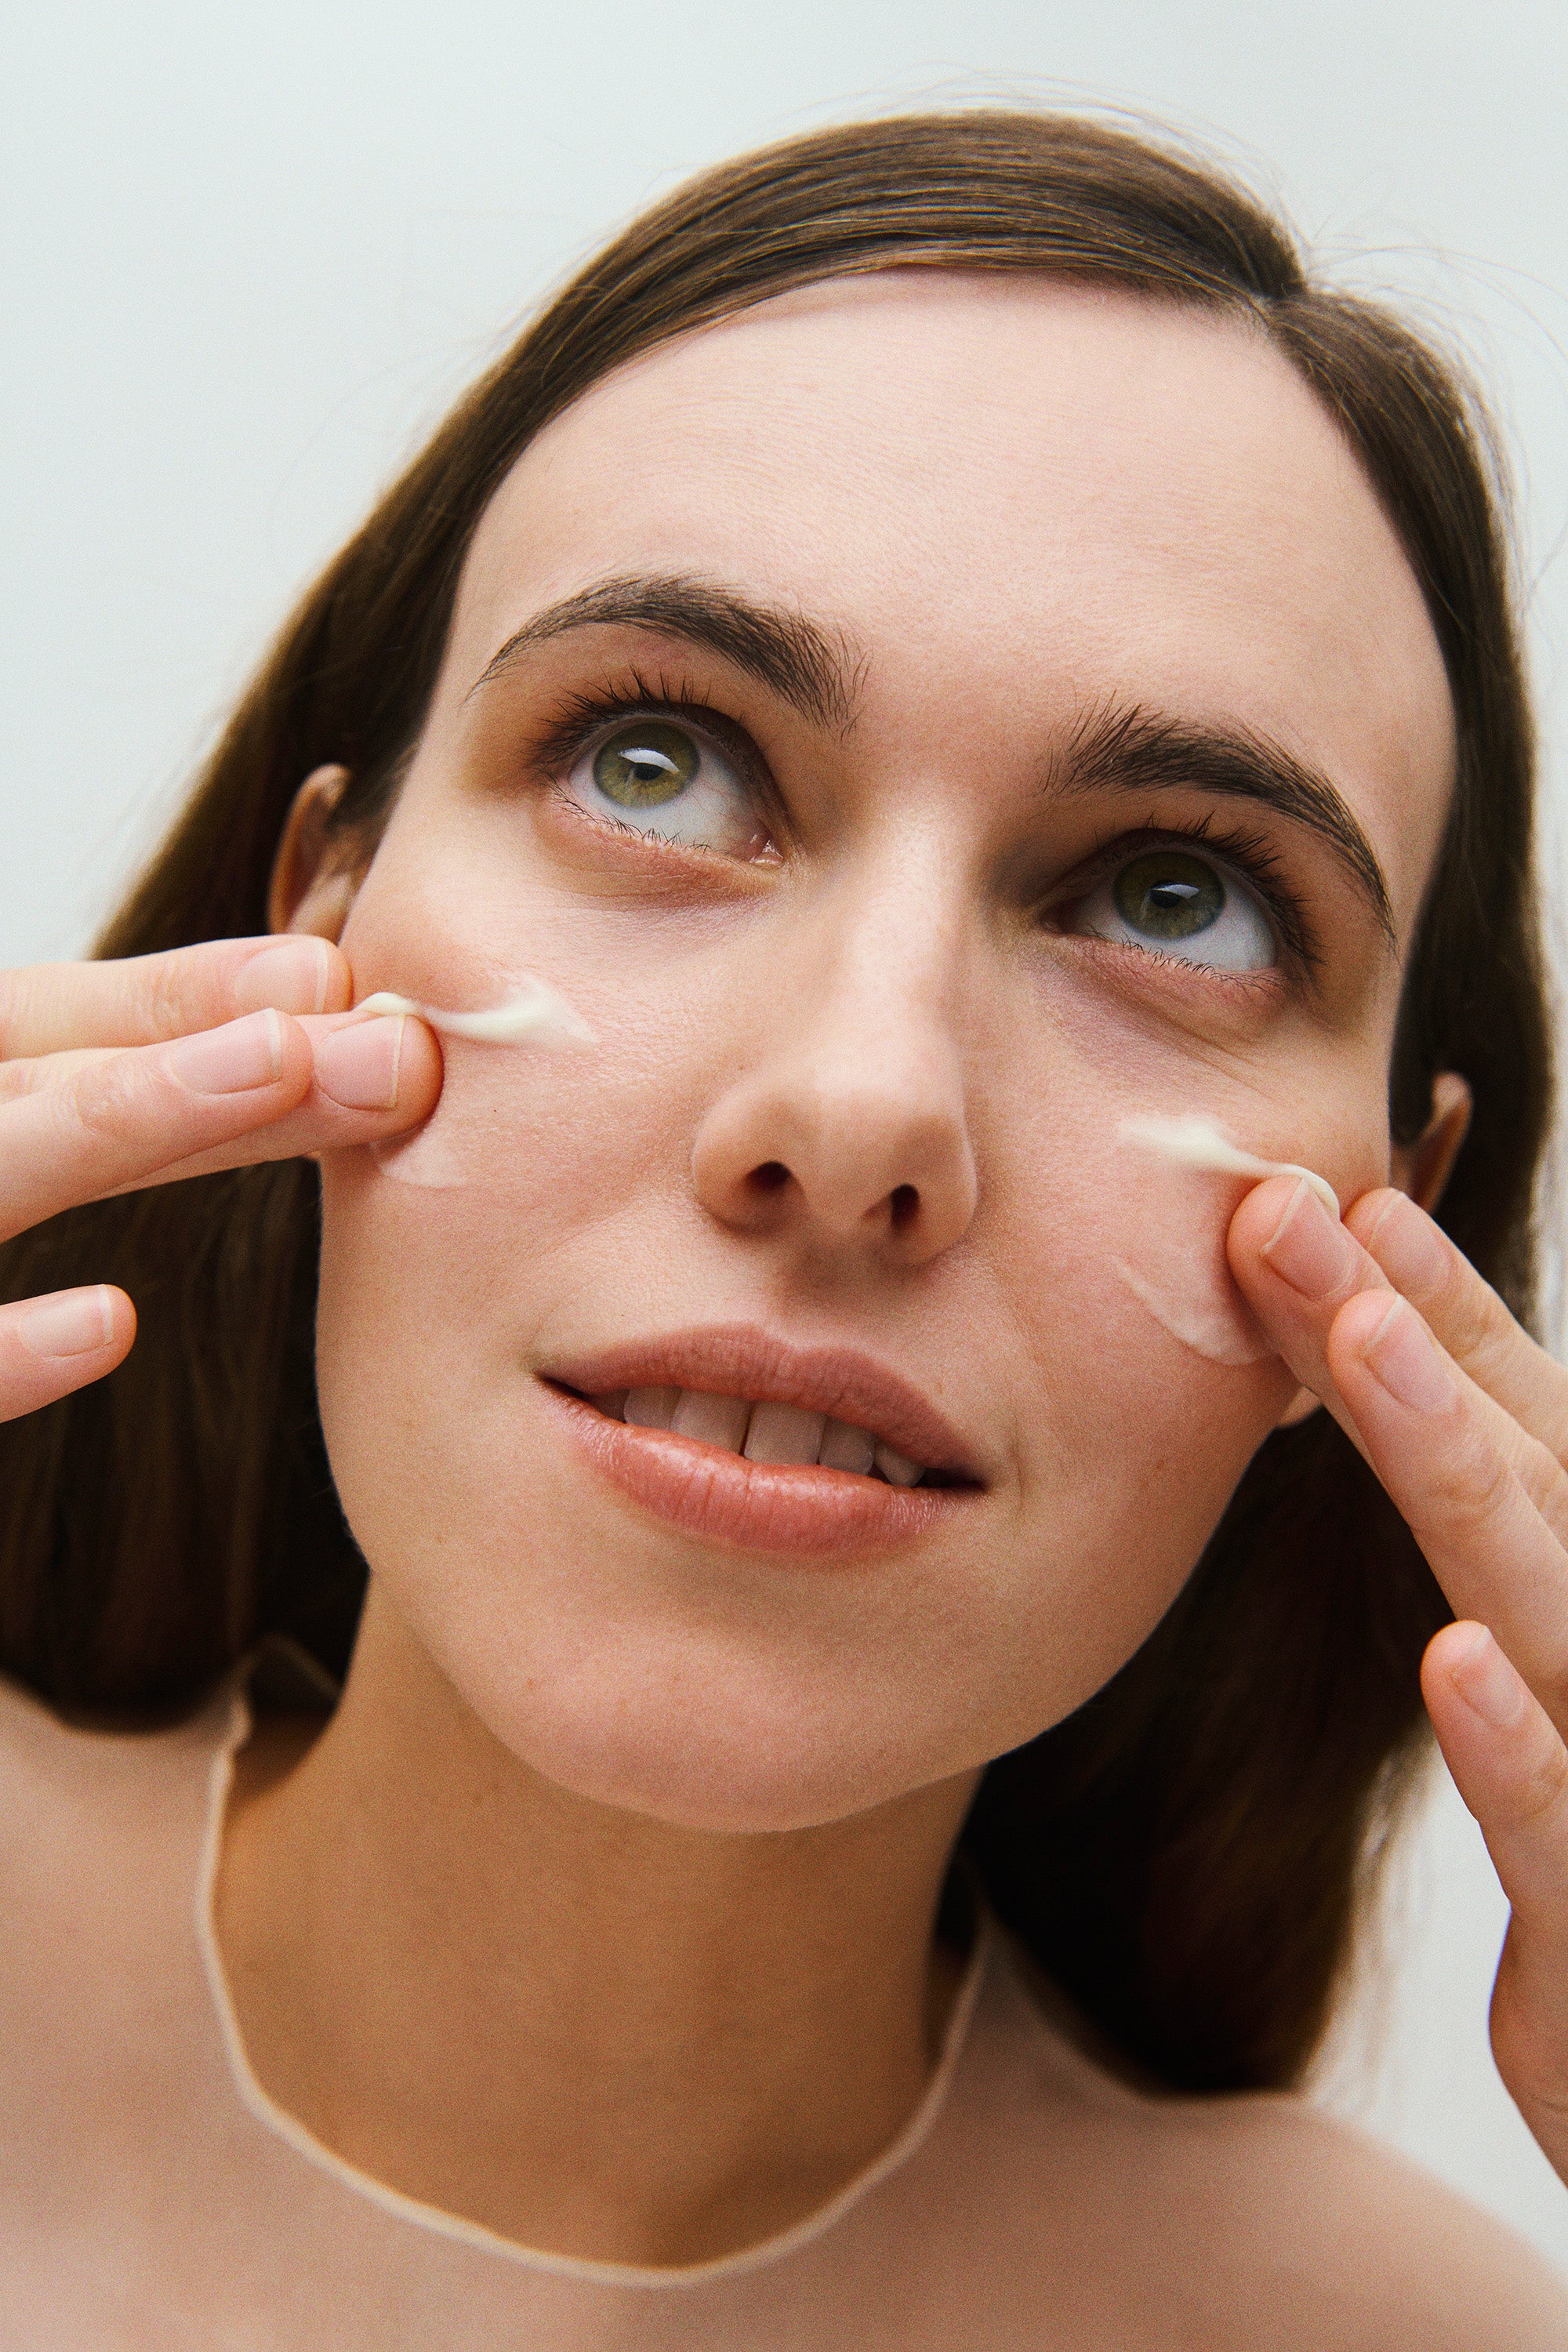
[(919, 725)]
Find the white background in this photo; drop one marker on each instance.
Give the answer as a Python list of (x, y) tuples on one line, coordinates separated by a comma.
[(249, 255)]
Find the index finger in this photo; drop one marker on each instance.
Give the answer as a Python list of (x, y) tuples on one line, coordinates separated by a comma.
[(1296, 1267), (50, 1008)]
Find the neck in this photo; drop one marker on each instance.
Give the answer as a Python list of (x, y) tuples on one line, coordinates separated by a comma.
[(590, 2031)]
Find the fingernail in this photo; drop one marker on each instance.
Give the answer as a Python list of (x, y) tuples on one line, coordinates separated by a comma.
[(1486, 1682), (1403, 1354), (1308, 1249), (231, 1060), (1409, 1248), (74, 1324), (358, 1066), (291, 977)]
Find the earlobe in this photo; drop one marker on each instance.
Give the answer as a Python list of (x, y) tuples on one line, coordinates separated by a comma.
[(1423, 1168), (313, 886)]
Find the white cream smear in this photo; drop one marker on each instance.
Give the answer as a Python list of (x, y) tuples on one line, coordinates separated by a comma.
[(1188, 1287), (533, 1015), (1203, 1143)]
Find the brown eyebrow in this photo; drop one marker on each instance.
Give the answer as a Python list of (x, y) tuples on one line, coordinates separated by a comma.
[(1131, 748), (785, 652)]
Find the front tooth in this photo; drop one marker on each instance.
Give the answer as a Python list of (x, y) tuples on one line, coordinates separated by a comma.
[(650, 1408), (717, 1420), (784, 1432), (845, 1447), (893, 1468)]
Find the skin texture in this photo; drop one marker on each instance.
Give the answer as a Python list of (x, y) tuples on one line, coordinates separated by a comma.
[(629, 1953)]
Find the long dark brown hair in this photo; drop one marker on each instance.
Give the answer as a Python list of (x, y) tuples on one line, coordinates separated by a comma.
[(1183, 1854)]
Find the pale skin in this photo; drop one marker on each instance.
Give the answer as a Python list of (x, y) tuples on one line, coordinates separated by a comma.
[(629, 1950)]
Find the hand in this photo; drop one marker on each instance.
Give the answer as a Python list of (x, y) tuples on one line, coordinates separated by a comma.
[(116, 1076), (1465, 1420)]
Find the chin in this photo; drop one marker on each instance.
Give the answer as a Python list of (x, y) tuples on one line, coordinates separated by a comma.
[(699, 1734)]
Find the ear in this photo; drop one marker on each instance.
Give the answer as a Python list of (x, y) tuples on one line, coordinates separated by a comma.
[(1422, 1169), (314, 877)]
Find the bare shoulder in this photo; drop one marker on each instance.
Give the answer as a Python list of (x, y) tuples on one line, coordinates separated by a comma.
[(1350, 2242), (1260, 2222), (58, 1778), (95, 1821)]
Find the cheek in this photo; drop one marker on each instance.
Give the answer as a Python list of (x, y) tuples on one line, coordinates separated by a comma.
[(1152, 1385), (1170, 1254), (1152, 1392)]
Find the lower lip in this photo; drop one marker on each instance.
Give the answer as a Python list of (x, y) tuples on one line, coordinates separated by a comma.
[(720, 1497)]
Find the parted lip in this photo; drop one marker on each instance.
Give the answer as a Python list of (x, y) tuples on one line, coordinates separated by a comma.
[(741, 1360)]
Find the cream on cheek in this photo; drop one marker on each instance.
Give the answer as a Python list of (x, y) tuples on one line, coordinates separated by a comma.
[(1173, 1251), (441, 1154), (533, 1012)]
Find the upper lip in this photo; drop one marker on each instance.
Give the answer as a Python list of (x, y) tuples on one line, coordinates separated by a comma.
[(741, 1361)]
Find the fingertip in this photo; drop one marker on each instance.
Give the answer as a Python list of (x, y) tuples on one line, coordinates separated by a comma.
[(421, 1071), (296, 1054), (338, 981), (1364, 1217), (1451, 1647), (1359, 1318), (387, 1066), (120, 1311), (1258, 1216), (93, 1321), (297, 972), (1465, 1658), (65, 1341)]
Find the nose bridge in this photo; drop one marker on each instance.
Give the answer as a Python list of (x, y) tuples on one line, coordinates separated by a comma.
[(853, 1117), (892, 932)]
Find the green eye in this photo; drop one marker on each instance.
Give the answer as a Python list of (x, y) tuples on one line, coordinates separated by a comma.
[(1187, 910), (646, 764), (670, 783), (1167, 895)]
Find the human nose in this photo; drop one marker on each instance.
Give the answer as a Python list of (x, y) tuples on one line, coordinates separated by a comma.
[(851, 1126)]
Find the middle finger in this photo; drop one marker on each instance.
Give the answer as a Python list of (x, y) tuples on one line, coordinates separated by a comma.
[(1465, 1312)]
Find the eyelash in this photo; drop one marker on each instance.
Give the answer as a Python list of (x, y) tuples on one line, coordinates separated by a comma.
[(580, 715)]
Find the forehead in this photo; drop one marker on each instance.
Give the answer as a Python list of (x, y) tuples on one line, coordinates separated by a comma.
[(1010, 496)]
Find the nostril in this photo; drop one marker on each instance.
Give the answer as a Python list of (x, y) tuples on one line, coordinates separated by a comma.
[(771, 1177), (902, 1202)]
